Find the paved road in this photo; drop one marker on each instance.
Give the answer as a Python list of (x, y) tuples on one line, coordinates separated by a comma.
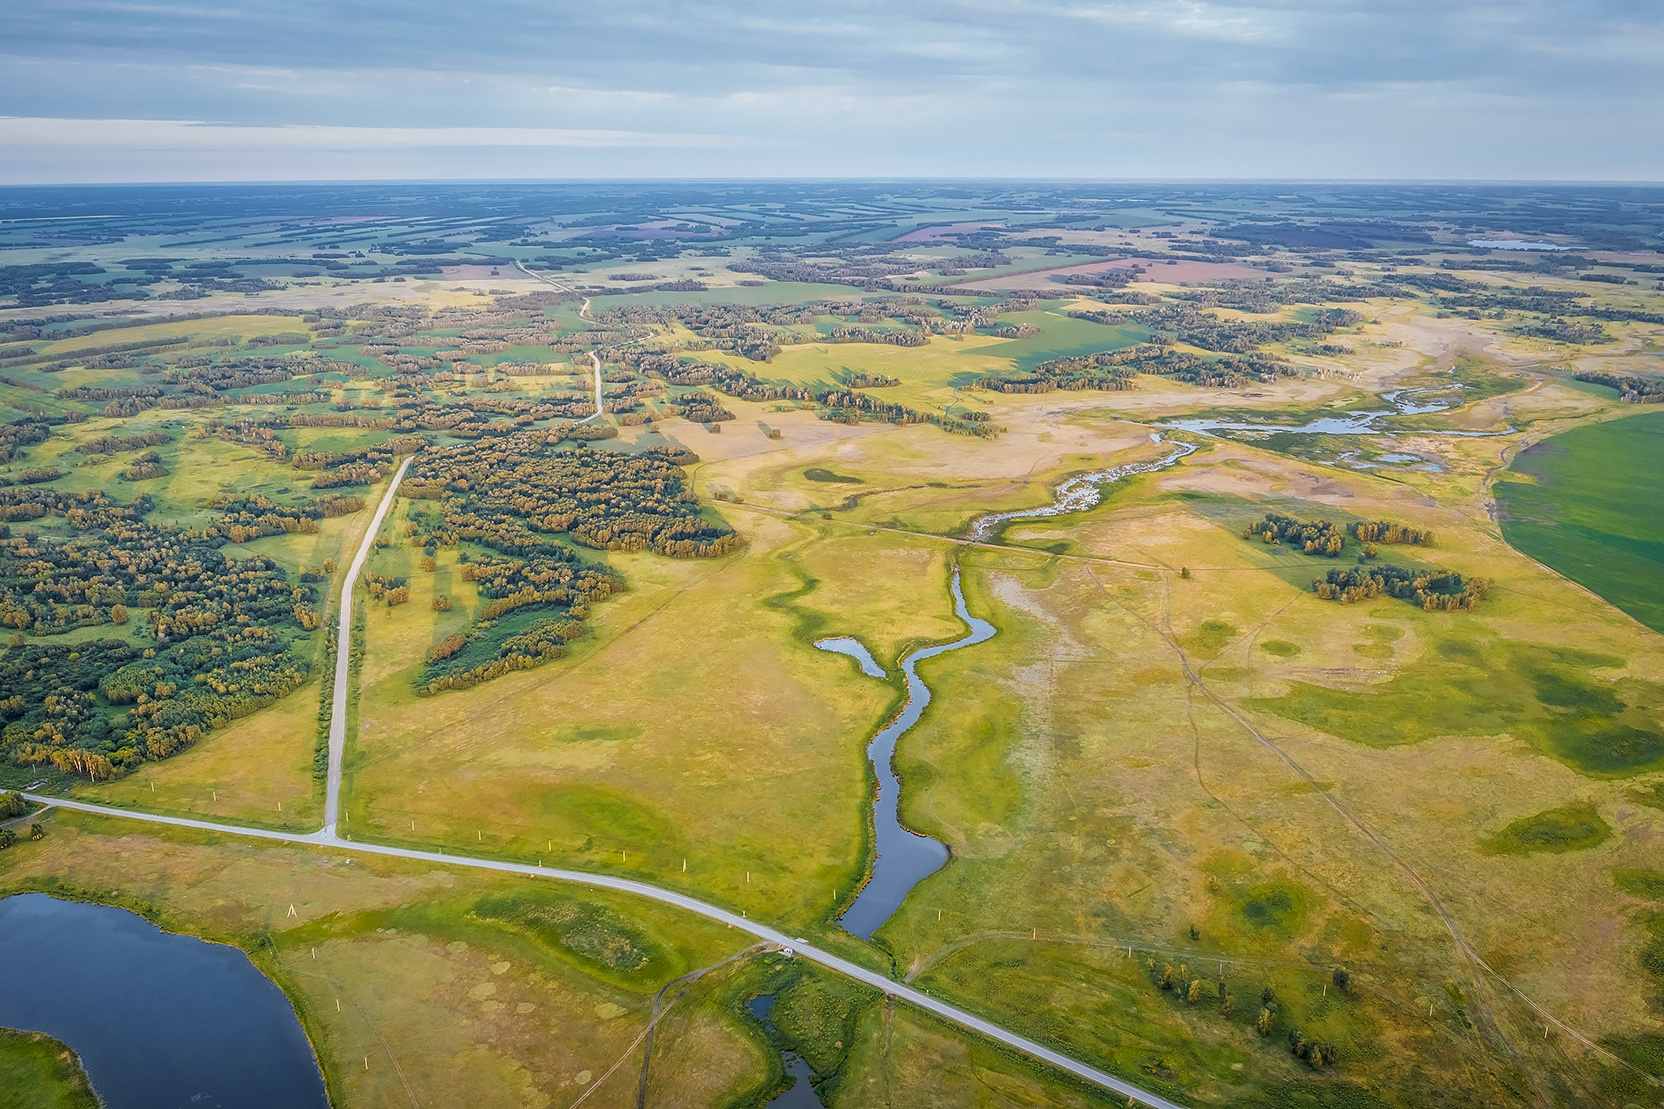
[(583, 311), (900, 990), (343, 658)]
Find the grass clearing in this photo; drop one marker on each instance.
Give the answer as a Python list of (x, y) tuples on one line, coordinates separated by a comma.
[(1575, 827), (1547, 695), (38, 1072)]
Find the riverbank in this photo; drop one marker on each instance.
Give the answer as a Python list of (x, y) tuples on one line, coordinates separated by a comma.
[(38, 1072)]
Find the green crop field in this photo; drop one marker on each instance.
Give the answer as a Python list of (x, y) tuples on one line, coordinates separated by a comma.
[(1594, 511)]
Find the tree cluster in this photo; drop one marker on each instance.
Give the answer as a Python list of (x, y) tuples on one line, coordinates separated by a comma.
[(15, 437), (364, 466), (1318, 537), (1385, 531), (253, 516), (216, 649), (1117, 369), (1632, 388), (115, 444), (700, 407), (1430, 590), (1199, 328)]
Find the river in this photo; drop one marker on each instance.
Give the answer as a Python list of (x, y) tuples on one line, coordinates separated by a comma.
[(160, 1021), (903, 857), (1077, 494)]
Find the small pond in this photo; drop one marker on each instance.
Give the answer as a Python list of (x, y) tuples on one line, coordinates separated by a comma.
[(160, 1021)]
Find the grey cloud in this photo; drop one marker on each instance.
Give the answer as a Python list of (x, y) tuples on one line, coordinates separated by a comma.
[(1098, 87)]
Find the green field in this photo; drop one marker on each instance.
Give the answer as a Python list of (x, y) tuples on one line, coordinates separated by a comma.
[(1594, 510)]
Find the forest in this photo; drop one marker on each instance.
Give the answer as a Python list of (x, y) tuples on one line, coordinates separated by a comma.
[(521, 499), (196, 638)]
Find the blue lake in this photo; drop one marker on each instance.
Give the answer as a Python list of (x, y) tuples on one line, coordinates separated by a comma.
[(160, 1021)]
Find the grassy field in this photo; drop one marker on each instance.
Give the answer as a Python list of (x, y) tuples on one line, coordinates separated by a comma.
[(38, 1072), (1071, 764), (598, 759), (1585, 503), (1200, 819), (457, 987)]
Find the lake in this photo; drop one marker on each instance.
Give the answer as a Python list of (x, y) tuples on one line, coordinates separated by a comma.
[(160, 1021)]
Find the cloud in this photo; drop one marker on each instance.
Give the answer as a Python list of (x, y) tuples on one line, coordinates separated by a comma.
[(114, 135), (1223, 88)]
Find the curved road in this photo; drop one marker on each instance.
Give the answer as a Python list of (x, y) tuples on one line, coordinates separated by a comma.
[(328, 837), (583, 313), (667, 897)]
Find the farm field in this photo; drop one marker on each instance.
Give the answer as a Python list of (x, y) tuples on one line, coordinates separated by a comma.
[(1315, 755), (1586, 513)]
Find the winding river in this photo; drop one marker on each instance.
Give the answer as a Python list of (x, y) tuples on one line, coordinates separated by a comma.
[(1079, 493), (904, 858), (160, 1021)]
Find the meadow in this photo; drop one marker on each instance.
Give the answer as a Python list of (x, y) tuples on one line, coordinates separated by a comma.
[(38, 1072), (1237, 838)]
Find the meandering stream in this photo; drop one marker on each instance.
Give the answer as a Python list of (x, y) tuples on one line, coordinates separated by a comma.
[(904, 858), (1079, 493)]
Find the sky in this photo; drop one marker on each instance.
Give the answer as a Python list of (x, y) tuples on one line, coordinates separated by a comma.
[(209, 90)]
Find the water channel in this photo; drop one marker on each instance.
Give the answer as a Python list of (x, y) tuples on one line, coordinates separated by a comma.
[(800, 1094), (160, 1021), (1404, 402), (904, 857), (1079, 493)]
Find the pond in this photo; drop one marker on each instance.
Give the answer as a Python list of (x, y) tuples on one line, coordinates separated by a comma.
[(160, 1021), (1514, 244)]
